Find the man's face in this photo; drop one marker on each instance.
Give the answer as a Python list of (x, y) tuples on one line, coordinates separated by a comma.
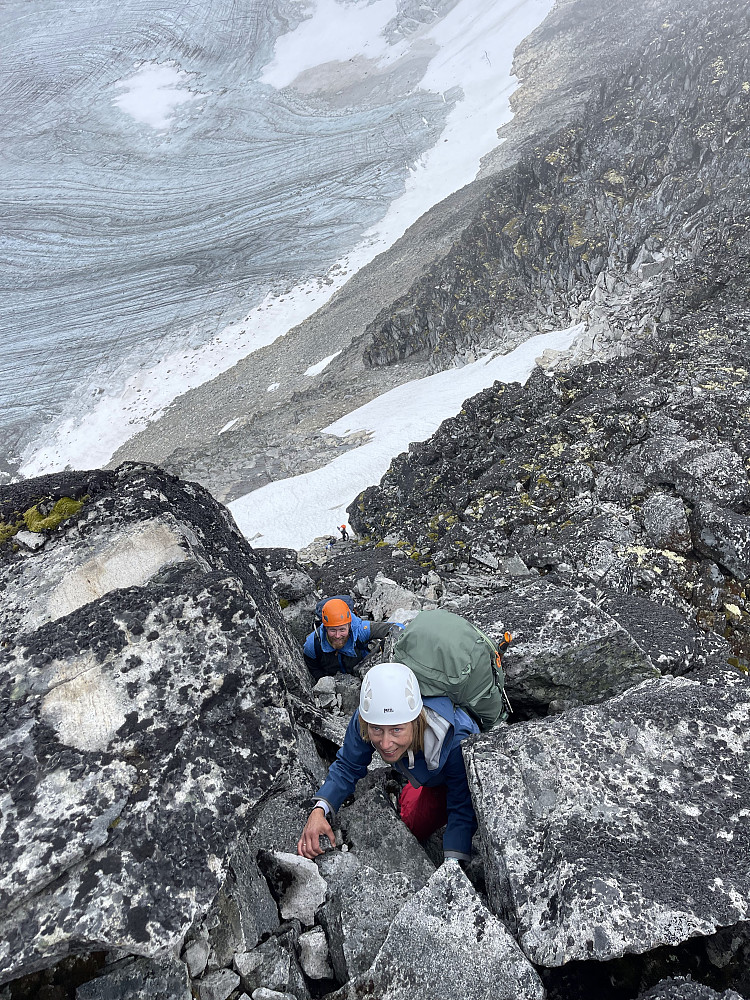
[(337, 635)]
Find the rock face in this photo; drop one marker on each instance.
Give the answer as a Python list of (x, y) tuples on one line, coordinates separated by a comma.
[(143, 716), (444, 943), (160, 743), (589, 223), (556, 476), (621, 827), (564, 647)]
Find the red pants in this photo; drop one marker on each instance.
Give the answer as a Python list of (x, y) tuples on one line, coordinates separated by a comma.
[(423, 809)]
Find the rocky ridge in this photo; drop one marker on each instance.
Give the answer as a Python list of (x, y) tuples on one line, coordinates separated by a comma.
[(162, 746)]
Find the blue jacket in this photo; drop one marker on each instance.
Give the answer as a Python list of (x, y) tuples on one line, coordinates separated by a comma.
[(354, 756)]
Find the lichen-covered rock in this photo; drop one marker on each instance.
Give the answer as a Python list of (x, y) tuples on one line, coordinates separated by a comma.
[(127, 526), (686, 989), (273, 965), (724, 536), (666, 523), (380, 839), (244, 910), (443, 944), (361, 903), (218, 985), (619, 827), (564, 647), (670, 640), (697, 470), (139, 729)]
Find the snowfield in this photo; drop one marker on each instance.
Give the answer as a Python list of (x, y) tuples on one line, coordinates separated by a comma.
[(292, 512)]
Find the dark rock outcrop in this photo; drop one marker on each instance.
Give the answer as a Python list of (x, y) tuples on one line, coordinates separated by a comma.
[(619, 216), (143, 716), (553, 474)]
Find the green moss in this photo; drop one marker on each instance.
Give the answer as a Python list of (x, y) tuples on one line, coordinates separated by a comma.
[(64, 508), (8, 529), (283, 603)]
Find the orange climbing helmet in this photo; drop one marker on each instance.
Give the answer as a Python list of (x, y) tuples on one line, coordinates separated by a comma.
[(336, 612)]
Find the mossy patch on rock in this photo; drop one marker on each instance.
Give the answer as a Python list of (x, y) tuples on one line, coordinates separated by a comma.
[(36, 520)]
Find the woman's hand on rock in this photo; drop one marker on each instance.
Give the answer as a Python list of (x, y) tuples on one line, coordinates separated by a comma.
[(317, 826)]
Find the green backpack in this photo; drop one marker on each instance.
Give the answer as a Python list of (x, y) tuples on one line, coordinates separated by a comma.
[(451, 657)]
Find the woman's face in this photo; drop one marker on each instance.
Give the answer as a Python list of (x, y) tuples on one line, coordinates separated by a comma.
[(391, 742)]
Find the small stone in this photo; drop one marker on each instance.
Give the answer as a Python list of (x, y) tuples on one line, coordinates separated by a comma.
[(218, 985), (307, 891), (195, 957), (262, 993), (246, 962), (313, 954), (31, 540), (324, 692)]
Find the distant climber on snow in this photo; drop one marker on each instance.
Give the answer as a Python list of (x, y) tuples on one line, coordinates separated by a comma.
[(342, 639), (421, 740), (344, 533)]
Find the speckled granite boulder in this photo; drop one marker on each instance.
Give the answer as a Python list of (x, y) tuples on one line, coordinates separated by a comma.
[(619, 827), (138, 730), (133, 523), (564, 647), (724, 536), (444, 943), (380, 840), (360, 906)]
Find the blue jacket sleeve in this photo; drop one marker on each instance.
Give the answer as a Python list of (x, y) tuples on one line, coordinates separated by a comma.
[(350, 765), (461, 819)]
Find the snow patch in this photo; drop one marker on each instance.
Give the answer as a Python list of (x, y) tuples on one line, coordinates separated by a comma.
[(153, 92), (318, 368), (358, 32), (292, 512)]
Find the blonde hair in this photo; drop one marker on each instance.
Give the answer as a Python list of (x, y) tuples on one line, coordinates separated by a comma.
[(417, 739)]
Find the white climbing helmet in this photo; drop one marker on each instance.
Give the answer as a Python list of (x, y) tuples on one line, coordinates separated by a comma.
[(390, 695)]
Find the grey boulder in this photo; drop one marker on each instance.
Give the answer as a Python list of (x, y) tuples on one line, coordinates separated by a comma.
[(564, 647), (686, 989), (360, 906), (724, 536), (142, 714), (619, 827), (444, 943)]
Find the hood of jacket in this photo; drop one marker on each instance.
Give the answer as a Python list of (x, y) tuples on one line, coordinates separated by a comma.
[(442, 723)]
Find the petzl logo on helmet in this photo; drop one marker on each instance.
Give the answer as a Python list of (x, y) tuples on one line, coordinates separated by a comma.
[(387, 709)]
